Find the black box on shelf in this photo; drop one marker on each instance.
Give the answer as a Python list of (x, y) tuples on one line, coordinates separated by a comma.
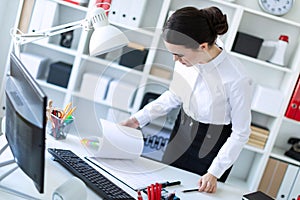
[(59, 74), (247, 44), (133, 58)]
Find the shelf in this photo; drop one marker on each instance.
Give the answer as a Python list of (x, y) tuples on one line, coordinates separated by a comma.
[(158, 79), (264, 113), (279, 154), (137, 30), (112, 65), (104, 103), (71, 5), (262, 63), (272, 17), (234, 181), (254, 149), (291, 121), (58, 48), (51, 86)]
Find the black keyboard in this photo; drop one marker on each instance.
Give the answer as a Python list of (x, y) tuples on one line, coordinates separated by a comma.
[(92, 178)]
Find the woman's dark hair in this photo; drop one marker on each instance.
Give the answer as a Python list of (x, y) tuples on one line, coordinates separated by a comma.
[(190, 26)]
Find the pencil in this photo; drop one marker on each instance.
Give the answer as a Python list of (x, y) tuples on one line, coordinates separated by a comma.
[(67, 108), (69, 113)]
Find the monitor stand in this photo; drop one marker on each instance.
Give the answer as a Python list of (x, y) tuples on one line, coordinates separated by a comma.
[(3, 176)]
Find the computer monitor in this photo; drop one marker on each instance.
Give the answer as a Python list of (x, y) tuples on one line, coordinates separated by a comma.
[(26, 121)]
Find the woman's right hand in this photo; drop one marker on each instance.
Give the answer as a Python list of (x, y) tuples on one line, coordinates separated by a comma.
[(131, 122)]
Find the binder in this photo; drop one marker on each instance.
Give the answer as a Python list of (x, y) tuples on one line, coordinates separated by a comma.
[(135, 13), (128, 12), (288, 182), (295, 191), (105, 4), (115, 11), (43, 17), (78, 2), (272, 177), (293, 110)]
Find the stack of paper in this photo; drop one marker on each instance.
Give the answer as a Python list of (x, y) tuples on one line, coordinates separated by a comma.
[(136, 173), (258, 136)]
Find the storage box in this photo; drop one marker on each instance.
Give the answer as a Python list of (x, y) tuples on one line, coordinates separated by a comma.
[(35, 64), (59, 74), (160, 72), (94, 86), (247, 44), (133, 58), (267, 100), (120, 94)]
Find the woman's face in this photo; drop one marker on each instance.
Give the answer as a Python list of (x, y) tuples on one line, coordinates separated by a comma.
[(187, 56)]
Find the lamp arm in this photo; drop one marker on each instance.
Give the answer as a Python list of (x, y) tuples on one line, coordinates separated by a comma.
[(96, 19), (24, 38), (20, 38)]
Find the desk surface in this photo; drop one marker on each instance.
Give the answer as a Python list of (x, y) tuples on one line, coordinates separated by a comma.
[(55, 175)]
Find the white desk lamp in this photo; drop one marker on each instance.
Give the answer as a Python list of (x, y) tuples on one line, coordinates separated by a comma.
[(105, 37)]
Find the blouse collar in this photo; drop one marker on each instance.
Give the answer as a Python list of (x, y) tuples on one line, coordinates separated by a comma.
[(213, 63)]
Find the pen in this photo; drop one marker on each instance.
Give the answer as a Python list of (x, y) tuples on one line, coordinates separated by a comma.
[(191, 190), (167, 184)]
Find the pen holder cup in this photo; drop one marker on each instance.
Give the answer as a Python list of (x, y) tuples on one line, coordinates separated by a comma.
[(59, 128)]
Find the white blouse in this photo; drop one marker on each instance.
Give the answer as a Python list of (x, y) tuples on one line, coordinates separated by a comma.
[(218, 92)]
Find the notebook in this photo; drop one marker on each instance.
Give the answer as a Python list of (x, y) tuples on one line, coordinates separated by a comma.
[(257, 196)]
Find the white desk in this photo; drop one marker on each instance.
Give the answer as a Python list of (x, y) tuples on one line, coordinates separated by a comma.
[(55, 175)]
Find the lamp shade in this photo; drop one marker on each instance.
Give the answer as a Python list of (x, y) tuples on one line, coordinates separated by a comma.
[(105, 39)]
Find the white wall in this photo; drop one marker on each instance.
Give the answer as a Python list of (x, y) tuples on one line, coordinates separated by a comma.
[(8, 13)]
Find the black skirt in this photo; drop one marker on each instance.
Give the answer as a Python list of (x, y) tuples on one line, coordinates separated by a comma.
[(193, 145)]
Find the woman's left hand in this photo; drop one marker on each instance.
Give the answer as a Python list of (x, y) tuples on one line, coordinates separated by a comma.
[(208, 183)]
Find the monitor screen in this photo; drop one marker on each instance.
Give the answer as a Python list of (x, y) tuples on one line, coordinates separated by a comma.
[(26, 121)]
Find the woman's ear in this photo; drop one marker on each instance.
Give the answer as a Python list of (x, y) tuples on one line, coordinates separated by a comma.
[(203, 46)]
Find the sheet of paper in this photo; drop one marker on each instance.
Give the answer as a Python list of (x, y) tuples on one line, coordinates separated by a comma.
[(116, 141), (135, 173)]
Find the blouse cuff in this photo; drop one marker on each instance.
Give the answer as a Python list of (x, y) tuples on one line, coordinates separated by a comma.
[(217, 172), (142, 118)]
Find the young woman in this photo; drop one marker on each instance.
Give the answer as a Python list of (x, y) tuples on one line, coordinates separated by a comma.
[(214, 94)]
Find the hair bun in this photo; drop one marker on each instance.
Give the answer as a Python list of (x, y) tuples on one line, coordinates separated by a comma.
[(216, 19)]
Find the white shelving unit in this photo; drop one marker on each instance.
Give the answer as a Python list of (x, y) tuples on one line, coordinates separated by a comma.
[(243, 15), (9, 16)]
